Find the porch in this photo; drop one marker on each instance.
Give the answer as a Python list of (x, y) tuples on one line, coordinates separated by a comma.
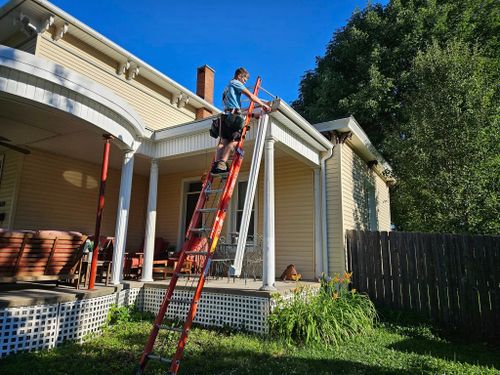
[(36, 316)]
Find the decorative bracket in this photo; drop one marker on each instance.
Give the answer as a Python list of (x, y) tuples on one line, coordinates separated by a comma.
[(30, 26), (60, 31), (132, 72), (122, 67)]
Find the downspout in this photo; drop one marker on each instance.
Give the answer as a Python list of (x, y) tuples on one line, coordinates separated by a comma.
[(324, 209)]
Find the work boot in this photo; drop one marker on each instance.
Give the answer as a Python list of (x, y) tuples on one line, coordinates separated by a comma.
[(219, 167)]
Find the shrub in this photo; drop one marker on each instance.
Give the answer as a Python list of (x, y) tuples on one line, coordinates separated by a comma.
[(124, 314), (328, 317)]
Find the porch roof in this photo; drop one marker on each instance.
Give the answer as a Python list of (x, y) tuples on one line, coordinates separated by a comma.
[(287, 127)]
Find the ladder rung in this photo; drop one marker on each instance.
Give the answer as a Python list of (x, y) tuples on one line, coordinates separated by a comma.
[(168, 328), (209, 191), (196, 252), (208, 209), (202, 229), (160, 358)]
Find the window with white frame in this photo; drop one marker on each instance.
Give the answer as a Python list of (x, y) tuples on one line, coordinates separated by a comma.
[(238, 210)]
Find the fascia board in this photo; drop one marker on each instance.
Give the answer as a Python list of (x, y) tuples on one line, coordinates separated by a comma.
[(359, 141), (295, 122)]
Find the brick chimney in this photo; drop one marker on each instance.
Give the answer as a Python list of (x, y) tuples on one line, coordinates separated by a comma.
[(205, 89)]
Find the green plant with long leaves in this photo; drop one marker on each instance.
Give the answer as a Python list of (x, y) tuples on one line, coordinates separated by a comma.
[(328, 317)]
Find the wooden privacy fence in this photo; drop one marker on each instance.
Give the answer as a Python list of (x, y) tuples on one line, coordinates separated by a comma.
[(453, 279)]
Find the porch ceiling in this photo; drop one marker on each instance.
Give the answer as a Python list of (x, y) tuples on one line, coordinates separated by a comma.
[(49, 130), (35, 127)]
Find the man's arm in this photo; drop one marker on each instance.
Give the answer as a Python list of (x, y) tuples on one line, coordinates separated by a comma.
[(255, 99)]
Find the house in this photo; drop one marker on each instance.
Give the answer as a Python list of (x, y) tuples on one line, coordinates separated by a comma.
[(63, 86)]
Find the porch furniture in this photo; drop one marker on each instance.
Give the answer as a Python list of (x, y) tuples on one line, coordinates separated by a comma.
[(39, 256), (167, 267), (106, 245), (134, 261)]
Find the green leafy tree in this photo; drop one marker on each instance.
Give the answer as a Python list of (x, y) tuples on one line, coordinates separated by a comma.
[(447, 150), (368, 71)]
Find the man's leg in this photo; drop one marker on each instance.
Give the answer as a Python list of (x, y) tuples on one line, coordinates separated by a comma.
[(229, 147)]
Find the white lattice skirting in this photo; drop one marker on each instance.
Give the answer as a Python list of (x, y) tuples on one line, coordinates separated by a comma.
[(46, 326)]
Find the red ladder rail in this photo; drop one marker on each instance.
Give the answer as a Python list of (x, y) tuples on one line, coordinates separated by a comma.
[(192, 245)]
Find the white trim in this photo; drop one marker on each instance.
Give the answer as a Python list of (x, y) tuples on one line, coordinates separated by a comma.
[(109, 48), (360, 143), (182, 211), (41, 81)]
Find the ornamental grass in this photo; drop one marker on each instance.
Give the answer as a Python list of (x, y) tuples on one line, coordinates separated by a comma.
[(327, 317)]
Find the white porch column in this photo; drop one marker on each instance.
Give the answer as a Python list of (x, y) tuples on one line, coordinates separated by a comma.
[(318, 237), (268, 274), (122, 217), (149, 238)]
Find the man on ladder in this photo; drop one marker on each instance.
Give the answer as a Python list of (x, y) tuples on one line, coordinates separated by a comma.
[(232, 119), (206, 223)]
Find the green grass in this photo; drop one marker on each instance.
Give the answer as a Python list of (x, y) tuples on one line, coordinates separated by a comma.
[(393, 347)]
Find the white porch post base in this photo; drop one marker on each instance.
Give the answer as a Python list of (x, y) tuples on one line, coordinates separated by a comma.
[(149, 238), (268, 274), (122, 217)]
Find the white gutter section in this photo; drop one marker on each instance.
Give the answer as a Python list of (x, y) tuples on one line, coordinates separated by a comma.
[(126, 55), (293, 116), (258, 150), (324, 208)]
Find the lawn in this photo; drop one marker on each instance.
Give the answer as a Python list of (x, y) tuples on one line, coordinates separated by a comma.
[(393, 347)]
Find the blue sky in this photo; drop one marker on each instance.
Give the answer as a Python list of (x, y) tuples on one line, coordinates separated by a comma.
[(278, 40)]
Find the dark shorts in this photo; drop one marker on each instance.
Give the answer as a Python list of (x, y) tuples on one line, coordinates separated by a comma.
[(232, 124)]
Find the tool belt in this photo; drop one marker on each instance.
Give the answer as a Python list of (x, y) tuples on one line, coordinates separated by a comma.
[(229, 123)]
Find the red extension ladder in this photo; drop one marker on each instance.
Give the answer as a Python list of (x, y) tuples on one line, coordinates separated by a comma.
[(201, 243)]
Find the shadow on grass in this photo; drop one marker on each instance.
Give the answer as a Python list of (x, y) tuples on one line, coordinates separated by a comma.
[(474, 354), (76, 359), (246, 363)]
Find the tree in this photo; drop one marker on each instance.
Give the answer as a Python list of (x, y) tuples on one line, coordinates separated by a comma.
[(447, 151), (369, 69)]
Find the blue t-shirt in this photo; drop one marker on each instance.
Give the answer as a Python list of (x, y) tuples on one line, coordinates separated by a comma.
[(231, 97)]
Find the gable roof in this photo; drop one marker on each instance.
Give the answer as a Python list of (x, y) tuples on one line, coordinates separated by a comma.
[(360, 143), (42, 10)]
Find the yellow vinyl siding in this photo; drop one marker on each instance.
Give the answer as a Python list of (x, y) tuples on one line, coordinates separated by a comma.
[(151, 102), (355, 173), (383, 204), (336, 256), (9, 182), (57, 192), (294, 205)]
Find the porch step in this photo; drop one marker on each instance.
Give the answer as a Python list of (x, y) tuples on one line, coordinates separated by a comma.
[(159, 358)]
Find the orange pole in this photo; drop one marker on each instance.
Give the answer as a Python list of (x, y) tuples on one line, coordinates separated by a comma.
[(100, 207)]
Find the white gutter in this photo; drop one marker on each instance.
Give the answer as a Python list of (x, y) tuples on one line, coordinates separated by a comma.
[(127, 55), (286, 110), (324, 209)]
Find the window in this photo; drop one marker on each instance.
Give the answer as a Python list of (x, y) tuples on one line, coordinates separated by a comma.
[(240, 204), (192, 195)]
